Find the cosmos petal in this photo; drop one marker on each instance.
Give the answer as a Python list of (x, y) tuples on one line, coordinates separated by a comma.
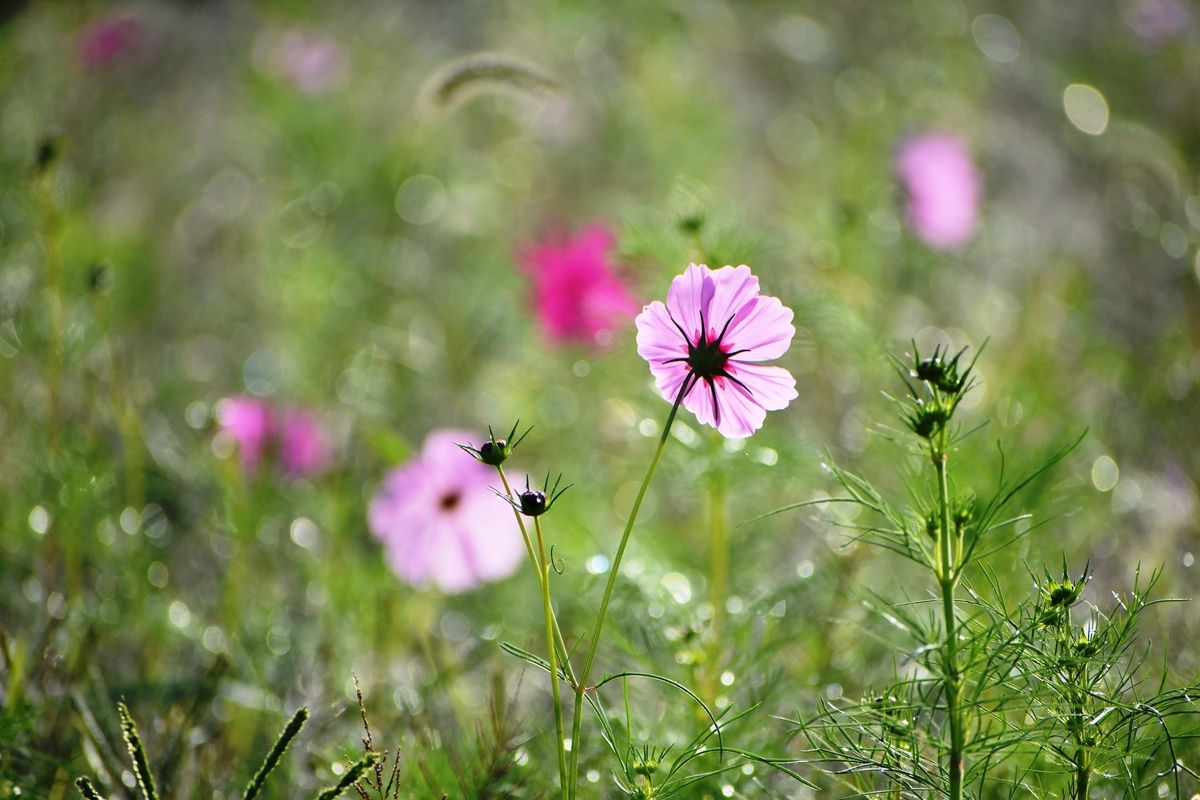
[(741, 413), (763, 329), (689, 297), (735, 287), (771, 387)]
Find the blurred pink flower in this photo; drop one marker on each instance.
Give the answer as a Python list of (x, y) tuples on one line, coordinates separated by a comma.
[(314, 64), (576, 295), (302, 448), (249, 422), (439, 521), (943, 188), (704, 341), (1158, 20), (108, 40)]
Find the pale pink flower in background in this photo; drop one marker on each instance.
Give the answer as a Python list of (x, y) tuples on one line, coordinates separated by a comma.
[(943, 188), (706, 342), (439, 521), (302, 447), (576, 293), (1158, 20), (249, 422), (108, 40), (314, 64)]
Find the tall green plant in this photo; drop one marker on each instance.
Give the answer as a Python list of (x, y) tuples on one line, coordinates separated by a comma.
[(990, 696)]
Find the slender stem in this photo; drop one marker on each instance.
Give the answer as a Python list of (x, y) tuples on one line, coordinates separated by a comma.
[(538, 572), (628, 717), (948, 580), (594, 644), (533, 559), (719, 572), (552, 653), (54, 294)]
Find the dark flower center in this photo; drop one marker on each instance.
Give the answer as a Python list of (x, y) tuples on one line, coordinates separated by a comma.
[(707, 358), (450, 501)]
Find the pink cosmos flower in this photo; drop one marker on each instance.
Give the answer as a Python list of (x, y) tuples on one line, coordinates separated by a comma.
[(706, 342), (440, 523), (314, 64), (108, 40), (302, 448), (576, 294), (249, 422), (943, 188)]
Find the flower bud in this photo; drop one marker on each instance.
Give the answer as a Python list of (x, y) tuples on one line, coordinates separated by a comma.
[(964, 511), (926, 421), (1062, 593), (494, 453), (932, 527), (48, 151), (1087, 646), (691, 224), (533, 503)]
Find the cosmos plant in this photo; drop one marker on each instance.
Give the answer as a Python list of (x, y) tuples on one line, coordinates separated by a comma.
[(704, 348)]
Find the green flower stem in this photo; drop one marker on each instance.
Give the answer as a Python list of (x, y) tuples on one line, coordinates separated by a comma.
[(581, 684), (538, 571), (537, 566), (51, 230), (552, 653), (719, 571), (948, 573)]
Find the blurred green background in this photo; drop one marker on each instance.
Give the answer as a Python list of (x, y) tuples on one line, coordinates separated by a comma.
[(217, 199)]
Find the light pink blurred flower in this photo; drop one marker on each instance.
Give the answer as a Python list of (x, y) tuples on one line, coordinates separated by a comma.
[(249, 422), (943, 188), (705, 341), (314, 64), (439, 521), (109, 40), (576, 294), (1158, 20), (302, 447)]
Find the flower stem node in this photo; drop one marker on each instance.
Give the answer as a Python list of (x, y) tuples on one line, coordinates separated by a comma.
[(535, 502), (495, 452)]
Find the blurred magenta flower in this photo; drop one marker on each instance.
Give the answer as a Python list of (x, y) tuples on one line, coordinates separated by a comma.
[(943, 188), (249, 422), (109, 40), (314, 64), (1158, 20), (576, 294), (439, 521), (302, 447), (704, 343)]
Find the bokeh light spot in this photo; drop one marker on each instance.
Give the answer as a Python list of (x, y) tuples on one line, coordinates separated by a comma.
[(421, 199), (1105, 473), (997, 38), (1086, 108)]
